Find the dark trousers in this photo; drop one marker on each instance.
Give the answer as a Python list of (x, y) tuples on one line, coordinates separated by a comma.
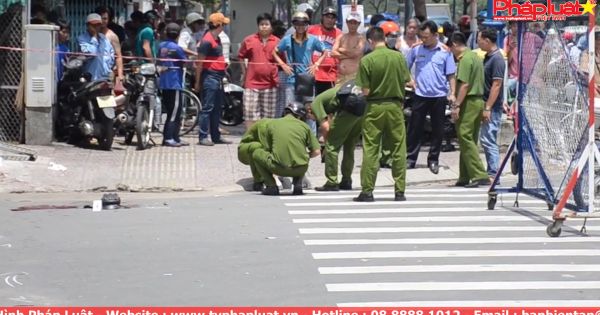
[(171, 100), (436, 108), (322, 86), (212, 103)]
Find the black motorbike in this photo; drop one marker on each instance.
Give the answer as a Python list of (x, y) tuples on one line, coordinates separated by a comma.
[(232, 113), (86, 108), (136, 115)]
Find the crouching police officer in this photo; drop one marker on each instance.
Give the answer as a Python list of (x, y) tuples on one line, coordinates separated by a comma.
[(380, 74), (285, 151), (341, 131), (254, 138)]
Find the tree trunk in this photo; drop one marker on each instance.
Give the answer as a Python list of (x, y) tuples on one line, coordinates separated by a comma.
[(420, 10)]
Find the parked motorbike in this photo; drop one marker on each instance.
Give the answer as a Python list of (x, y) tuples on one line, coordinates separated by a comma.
[(86, 108), (449, 129), (232, 113), (136, 115)]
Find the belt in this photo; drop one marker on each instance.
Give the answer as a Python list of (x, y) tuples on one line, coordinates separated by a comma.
[(384, 99)]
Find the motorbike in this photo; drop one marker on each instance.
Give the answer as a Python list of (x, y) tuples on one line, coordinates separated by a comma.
[(135, 117), (86, 108), (232, 113), (449, 128)]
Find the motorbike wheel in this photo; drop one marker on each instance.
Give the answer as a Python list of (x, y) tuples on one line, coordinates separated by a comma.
[(192, 107), (108, 134), (233, 110), (143, 127)]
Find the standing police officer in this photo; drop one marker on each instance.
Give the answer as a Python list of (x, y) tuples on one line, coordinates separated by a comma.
[(380, 75), (341, 131), (289, 146)]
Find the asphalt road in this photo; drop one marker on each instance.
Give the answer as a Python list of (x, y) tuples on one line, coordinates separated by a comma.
[(440, 248)]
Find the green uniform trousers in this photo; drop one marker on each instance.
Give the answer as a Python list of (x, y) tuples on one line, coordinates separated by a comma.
[(386, 151), (467, 126), (383, 118), (245, 151), (266, 167), (344, 132)]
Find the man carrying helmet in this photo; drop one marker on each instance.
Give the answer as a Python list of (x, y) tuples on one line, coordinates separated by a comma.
[(342, 130), (327, 33), (288, 148), (194, 22), (298, 48), (145, 46)]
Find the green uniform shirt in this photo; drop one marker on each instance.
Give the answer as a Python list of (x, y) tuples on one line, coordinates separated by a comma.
[(326, 103), (289, 138), (257, 133), (470, 71), (385, 73)]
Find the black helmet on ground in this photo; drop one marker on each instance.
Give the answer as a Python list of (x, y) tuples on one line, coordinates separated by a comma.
[(297, 109)]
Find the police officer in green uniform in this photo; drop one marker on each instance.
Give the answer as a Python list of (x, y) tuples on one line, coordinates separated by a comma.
[(254, 138), (288, 148), (380, 75), (467, 110), (341, 131)]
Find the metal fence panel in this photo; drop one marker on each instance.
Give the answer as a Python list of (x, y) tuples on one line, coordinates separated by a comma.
[(11, 26)]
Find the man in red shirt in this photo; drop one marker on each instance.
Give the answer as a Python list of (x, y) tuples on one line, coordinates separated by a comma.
[(327, 33), (210, 70), (261, 76)]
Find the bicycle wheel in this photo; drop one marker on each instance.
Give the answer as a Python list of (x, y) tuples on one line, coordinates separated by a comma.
[(191, 108)]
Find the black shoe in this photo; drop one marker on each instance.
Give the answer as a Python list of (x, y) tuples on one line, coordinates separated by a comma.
[(434, 167), (222, 141), (297, 182), (479, 182), (364, 197), (257, 186), (345, 185), (270, 191), (461, 184), (399, 196), (327, 187), (410, 165)]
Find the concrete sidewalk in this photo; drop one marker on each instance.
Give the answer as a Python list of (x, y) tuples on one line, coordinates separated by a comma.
[(63, 168)]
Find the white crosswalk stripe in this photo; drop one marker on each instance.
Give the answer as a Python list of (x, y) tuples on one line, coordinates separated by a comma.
[(443, 247)]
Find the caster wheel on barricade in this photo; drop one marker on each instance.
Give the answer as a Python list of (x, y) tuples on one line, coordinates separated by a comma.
[(514, 167), (550, 206), (492, 198), (554, 229), (516, 204)]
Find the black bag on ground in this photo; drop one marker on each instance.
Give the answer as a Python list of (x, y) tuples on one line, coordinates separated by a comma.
[(351, 101)]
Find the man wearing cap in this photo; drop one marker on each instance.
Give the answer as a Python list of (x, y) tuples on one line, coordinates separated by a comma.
[(327, 33), (380, 75), (348, 49), (145, 46), (210, 70), (287, 150), (194, 22), (93, 42)]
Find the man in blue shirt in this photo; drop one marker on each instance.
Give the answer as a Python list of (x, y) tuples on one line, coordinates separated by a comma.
[(93, 42), (171, 84), (62, 49), (435, 87), (298, 49)]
